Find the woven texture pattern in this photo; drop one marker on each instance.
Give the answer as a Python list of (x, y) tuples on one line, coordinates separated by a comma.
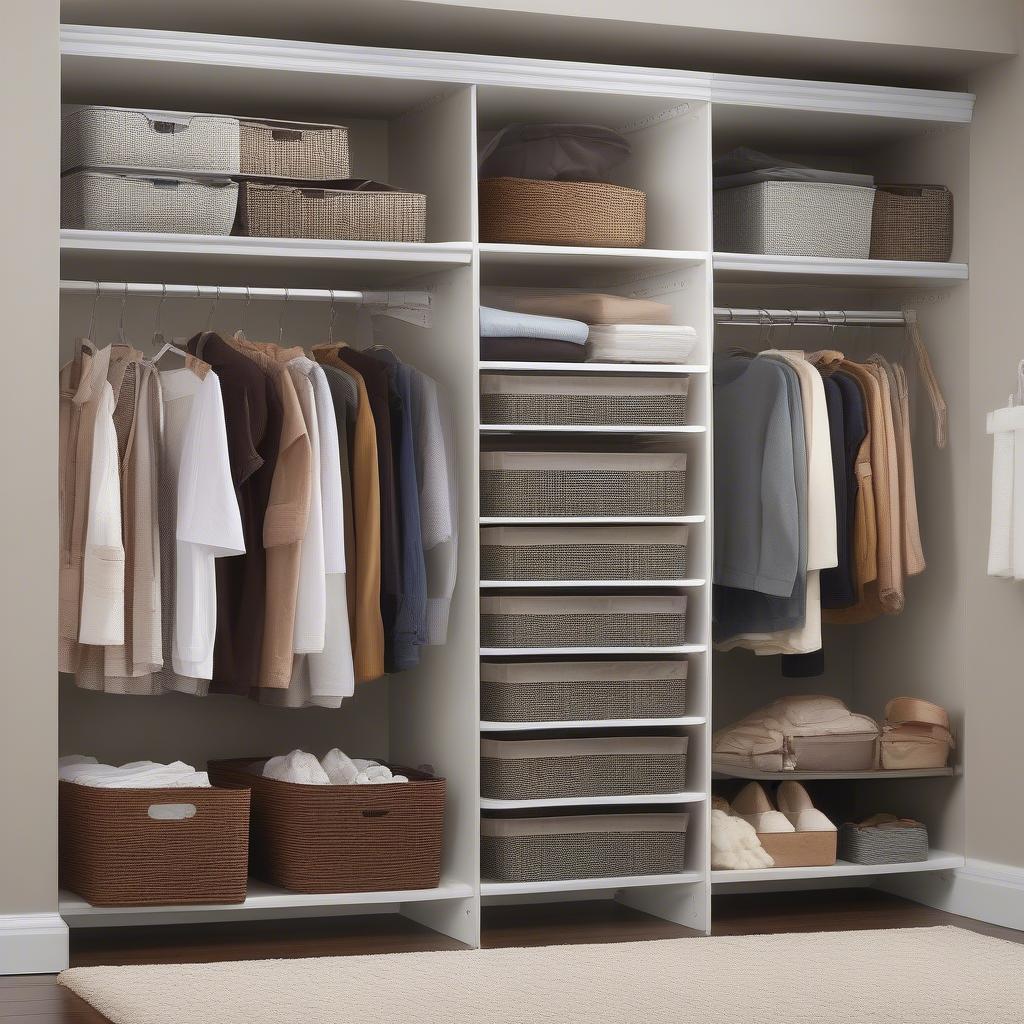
[(597, 855), (598, 492), (611, 629), (305, 153), (883, 845), (342, 838), (107, 137), (114, 854), (583, 562), (552, 778), (286, 211), (912, 222), (561, 213), (585, 410), (579, 700), (795, 218), (105, 202)]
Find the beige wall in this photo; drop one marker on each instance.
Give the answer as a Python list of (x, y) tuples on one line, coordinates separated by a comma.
[(995, 608), (28, 423)]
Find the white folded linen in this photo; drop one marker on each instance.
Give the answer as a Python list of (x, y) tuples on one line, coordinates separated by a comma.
[(641, 343), (88, 771), (339, 767), (298, 767), (504, 323)]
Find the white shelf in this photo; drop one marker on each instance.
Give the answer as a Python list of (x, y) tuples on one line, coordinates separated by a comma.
[(745, 268), (589, 584), (572, 652), (591, 520), (727, 772), (488, 804), (551, 428), (260, 897), (937, 861), (639, 369), (604, 723), (488, 888)]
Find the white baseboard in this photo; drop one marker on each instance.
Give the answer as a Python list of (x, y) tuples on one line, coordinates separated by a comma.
[(33, 944), (985, 891)]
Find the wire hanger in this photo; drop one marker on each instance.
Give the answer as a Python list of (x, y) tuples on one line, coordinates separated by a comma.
[(330, 325), (92, 315), (280, 322), (158, 334), (245, 312), (170, 346), (213, 310), (120, 320)]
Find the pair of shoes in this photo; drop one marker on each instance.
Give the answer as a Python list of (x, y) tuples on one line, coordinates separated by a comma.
[(793, 811)]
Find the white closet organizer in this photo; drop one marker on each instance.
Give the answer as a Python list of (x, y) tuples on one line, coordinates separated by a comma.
[(416, 120)]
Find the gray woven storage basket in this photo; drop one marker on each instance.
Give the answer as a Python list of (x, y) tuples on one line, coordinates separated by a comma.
[(795, 218), (584, 846), (98, 201), (569, 401), (292, 149), (580, 691), (583, 553), (152, 140), (582, 484), (538, 622), (355, 209), (912, 222), (889, 845), (606, 766)]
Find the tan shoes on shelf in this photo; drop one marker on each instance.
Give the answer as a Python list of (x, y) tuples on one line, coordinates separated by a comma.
[(793, 831)]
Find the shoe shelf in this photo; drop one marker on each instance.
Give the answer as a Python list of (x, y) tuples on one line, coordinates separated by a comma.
[(722, 772), (490, 888), (938, 860)]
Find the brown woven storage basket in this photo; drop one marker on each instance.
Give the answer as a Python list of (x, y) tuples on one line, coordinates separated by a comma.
[(353, 209), (114, 853), (912, 222), (619, 772), (290, 149), (342, 838), (527, 211)]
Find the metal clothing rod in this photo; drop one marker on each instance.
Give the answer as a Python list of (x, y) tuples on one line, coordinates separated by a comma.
[(414, 299), (808, 317)]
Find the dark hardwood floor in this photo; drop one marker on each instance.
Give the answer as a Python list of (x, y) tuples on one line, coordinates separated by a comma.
[(38, 999)]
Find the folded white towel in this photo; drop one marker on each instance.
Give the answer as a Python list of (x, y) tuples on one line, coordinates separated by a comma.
[(339, 767), (374, 773), (503, 323), (298, 767), (87, 771), (641, 343)]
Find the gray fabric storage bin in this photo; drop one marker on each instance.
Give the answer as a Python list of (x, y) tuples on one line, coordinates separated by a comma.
[(795, 218), (149, 140), (902, 844), (293, 149), (582, 767), (572, 691), (656, 552), (99, 201), (582, 846)]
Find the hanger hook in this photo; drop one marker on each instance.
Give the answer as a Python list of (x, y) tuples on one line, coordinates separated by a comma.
[(213, 309), (245, 308), (334, 313), (120, 321), (280, 322), (92, 315), (158, 319)]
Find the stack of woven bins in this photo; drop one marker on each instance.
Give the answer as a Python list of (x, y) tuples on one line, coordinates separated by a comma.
[(591, 661), (124, 169)]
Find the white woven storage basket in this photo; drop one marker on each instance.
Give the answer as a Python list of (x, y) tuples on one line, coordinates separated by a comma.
[(98, 201), (293, 149), (151, 140), (582, 846), (583, 552), (795, 218), (577, 691), (589, 621), (582, 484), (575, 401)]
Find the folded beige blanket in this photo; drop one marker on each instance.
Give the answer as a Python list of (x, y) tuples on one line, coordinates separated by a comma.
[(597, 308)]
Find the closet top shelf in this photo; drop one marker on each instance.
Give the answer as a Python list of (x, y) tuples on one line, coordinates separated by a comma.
[(747, 268)]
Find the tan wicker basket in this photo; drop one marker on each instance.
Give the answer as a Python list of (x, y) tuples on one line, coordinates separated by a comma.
[(291, 149), (342, 838), (581, 691), (582, 846), (354, 209), (564, 768), (561, 213), (153, 847), (912, 222)]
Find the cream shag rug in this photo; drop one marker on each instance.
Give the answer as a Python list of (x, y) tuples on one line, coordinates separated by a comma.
[(902, 976)]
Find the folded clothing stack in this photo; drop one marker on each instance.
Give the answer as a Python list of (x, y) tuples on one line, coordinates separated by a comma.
[(525, 337), (640, 343), (87, 771), (335, 769)]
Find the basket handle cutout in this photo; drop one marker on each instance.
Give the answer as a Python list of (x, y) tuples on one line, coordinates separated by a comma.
[(379, 812), (166, 127), (171, 812), (286, 134)]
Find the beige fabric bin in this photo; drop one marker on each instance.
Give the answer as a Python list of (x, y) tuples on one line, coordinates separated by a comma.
[(848, 752), (656, 552), (573, 691), (591, 621), (582, 484), (553, 769), (582, 846), (294, 149), (575, 401)]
